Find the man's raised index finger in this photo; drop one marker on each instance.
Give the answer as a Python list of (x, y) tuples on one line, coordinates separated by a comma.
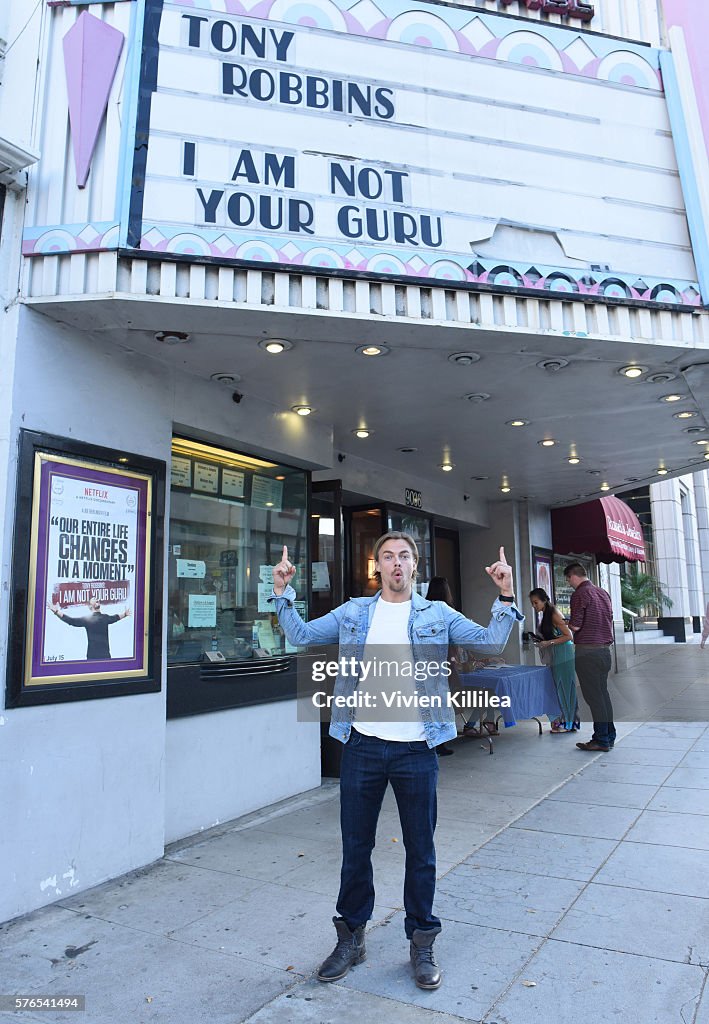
[(502, 556), (284, 556)]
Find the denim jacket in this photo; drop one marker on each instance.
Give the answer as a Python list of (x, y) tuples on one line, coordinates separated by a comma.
[(433, 625)]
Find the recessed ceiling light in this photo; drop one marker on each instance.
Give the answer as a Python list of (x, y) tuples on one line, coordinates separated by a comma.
[(672, 398), (172, 337), (663, 471), (505, 488), (573, 460), (274, 346), (477, 396), (593, 472), (407, 450), (361, 432), (373, 350), (281, 477), (517, 423), (480, 478), (464, 358), (605, 487), (684, 415), (702, 440), (706, 455), (225, 377), (446, 466), (663, 377), (632, 479), (553, 365), (303, 410), (632, 372), (547, 442)]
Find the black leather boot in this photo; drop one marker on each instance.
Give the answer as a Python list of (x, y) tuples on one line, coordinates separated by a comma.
[(423, 961), (348, 951)]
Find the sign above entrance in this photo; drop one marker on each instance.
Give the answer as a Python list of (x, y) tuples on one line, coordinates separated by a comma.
[(406, 142), (566, 8), (307, 138), (413, 499)]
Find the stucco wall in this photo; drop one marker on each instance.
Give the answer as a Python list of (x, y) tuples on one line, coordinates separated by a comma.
[(83, 785)]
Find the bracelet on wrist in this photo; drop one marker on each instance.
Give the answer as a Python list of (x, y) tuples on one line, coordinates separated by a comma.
[(509, 598)]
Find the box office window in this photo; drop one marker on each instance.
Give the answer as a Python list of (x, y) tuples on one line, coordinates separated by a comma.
[(230, 515)]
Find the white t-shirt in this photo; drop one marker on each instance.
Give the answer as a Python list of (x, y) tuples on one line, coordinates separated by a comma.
[(388, 639)]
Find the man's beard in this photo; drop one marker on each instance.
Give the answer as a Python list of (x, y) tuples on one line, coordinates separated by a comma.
[(400, 584)]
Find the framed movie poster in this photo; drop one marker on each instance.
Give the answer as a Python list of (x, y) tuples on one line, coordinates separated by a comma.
[(87, 577), (543, 570)]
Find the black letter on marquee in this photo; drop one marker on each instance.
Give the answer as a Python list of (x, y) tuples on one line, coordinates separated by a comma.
[(246, 168), (210, 205), (300, 216), (219, 39), (228, 85), (385, 106), (339, 176), (274, 170), (195, 33), (188, 158)]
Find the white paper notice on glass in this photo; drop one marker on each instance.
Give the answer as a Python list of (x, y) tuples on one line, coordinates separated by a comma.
[(265, 573), (206, 478), (191, 569), (266, 639), (264, 592), (181, 472), (233, 483), (202, 610), (321, 576), (301, 608), (266, 493)]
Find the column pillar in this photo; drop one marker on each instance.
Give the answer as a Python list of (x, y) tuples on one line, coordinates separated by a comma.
[(701, 502), (670, 555)]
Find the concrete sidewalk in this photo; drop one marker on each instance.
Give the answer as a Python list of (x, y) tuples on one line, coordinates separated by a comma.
[(572, 886)]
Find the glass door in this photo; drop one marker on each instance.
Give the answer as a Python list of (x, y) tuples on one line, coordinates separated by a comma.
[(326, 546), (447, 552), (419, 527), (364, 527)]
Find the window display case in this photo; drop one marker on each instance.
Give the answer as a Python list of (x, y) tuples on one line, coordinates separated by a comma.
[(230, 515)]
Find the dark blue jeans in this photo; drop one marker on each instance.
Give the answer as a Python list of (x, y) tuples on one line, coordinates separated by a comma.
[(368, 765), (592, 667)]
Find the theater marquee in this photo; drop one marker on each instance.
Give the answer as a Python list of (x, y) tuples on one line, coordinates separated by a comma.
[(309, 138)]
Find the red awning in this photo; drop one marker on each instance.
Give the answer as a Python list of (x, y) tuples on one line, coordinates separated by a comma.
[(606, 528)]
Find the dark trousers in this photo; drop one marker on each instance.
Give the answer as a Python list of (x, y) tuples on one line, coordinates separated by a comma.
[(592, 667), (368, 765)]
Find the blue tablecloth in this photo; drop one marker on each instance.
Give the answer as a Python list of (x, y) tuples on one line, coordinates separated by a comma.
[(531, 691)]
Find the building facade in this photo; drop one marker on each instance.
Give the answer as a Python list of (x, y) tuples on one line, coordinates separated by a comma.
[(294, 274)]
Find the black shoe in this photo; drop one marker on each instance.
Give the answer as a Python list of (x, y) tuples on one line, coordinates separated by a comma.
[(348, 951), (423, 961)]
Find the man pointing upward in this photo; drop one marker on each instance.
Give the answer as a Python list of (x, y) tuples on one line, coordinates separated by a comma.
[(402, 753)]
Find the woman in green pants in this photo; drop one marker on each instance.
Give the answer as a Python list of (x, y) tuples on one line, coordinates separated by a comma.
[(557, 640)]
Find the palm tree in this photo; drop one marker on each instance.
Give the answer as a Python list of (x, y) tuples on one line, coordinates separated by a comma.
[(640, 589)]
